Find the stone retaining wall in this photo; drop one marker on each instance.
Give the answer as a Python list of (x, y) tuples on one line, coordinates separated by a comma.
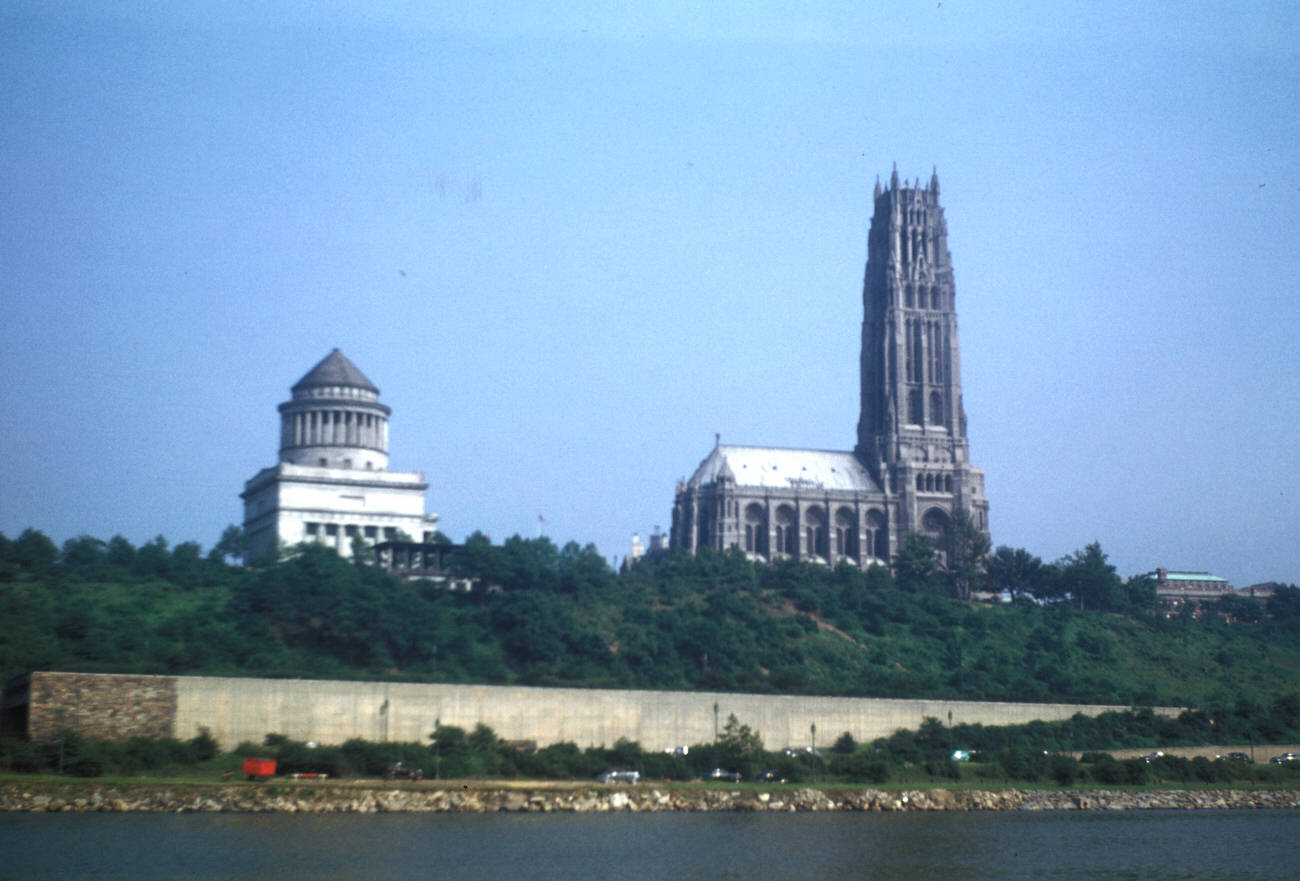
[(100, 706), (327, 798)]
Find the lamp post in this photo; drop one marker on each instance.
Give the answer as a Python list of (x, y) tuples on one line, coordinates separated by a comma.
[(812, 756), (715, 723)]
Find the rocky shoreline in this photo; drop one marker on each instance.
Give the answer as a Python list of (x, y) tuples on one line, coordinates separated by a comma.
[(353, 799)]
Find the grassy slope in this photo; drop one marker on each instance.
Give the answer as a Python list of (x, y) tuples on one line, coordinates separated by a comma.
[(707, 624)]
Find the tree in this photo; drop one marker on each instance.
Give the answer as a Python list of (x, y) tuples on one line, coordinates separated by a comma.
[(33, 551), (1284, 604), (1239, 608), (1091, 580), (915, 563), (1014, 570), (964, 547), (84, 552), (232, 547), (845, 745), (739, 744)]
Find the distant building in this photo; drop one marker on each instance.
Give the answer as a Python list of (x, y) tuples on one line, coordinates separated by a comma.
[(421, 561), (332, 484), (910, 470), (658, 545), (1174, 589)]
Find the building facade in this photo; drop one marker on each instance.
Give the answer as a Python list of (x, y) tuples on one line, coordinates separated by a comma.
[(331, 484), (1176, 589), (910, 469)]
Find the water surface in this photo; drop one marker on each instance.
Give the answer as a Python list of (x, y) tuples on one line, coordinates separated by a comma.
[(1146, 845)]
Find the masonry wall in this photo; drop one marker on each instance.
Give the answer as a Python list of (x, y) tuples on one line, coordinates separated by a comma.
[(236, 710), (100, 706)]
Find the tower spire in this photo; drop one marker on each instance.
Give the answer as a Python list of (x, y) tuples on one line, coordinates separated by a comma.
[(912, 428)]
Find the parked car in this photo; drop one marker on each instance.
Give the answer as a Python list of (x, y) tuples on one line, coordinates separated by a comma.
[(1151, 757), (401, 771), (1285, 758), (724, 774), (768, 775), (1232, 757), (617, 775)]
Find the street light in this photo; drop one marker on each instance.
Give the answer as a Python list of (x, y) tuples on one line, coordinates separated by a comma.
[(437, 758), (812, 756)]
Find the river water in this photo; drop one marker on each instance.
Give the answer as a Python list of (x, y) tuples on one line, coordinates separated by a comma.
[(1146, 845)]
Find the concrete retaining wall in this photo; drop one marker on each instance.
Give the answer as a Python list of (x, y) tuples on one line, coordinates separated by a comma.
[(236, 710)]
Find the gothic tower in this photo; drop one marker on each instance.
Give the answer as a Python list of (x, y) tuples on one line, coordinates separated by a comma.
[(912, 427)]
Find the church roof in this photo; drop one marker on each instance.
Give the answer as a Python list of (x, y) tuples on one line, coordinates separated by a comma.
[(783, 468), (335, 369)]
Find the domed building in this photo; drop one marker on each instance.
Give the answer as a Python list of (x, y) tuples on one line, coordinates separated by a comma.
[(332, 484)]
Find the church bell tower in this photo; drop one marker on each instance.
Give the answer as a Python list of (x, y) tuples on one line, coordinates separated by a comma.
[(912, 427)]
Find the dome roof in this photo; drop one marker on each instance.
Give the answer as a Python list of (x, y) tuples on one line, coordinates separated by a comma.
[(335, 369)]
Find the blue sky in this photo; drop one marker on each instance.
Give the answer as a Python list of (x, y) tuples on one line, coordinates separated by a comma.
[(570, 245)]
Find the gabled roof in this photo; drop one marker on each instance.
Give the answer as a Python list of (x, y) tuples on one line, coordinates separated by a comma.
[(783, 468), (335, 369)]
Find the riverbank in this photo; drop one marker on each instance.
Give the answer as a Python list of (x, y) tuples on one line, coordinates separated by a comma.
[(324, 798)]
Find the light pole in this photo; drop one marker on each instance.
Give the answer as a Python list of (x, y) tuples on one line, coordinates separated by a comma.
[(812, 756), (437, 757), (715, 723)]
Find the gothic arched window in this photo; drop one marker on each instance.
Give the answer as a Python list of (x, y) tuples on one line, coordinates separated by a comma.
[(818, 542), (936, 409), (877, 546), (786, 538), (846, 533), (914, 415), (755, 529)]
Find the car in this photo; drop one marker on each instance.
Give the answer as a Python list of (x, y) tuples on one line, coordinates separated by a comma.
[(768, 775), (618, 775), (402, 771), (1232, 757), (1284, 759), (1151, 757), (724, 774)]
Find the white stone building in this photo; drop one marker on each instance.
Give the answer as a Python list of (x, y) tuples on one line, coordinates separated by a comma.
[(332, 484)]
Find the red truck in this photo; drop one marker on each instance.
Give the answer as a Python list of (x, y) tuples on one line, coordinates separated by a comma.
[(259, 769)]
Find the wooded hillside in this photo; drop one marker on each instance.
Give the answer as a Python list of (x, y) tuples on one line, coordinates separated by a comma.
[(563, 617)]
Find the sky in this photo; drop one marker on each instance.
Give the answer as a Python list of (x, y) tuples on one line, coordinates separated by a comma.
[(570, 244)]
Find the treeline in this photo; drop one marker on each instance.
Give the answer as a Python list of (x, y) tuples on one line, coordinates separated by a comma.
[(1034, 753), (547, 615)]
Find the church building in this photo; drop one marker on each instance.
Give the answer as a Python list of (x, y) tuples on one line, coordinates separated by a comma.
[(910, 468), (332, 483)]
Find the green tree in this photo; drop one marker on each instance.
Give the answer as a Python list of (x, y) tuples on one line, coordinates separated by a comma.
[(232, 546), (915, 563), (1089, 578), (33, 551), (738, 745), (965, 547), (1014, 570)]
